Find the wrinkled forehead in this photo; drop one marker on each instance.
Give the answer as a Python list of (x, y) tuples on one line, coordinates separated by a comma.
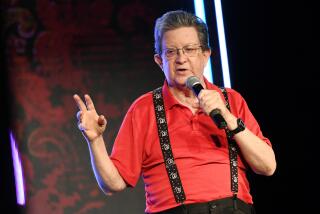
[(180, 37)]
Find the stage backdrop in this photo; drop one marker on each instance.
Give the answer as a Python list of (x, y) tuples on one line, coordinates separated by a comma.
[(55, 49)]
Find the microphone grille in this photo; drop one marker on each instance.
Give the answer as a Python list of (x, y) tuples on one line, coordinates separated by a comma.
[(191, 81)]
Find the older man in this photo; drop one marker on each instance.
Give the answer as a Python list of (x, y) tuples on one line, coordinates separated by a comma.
[(188, 163)]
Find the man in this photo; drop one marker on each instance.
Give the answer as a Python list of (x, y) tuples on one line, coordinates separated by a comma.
[(188, 164)]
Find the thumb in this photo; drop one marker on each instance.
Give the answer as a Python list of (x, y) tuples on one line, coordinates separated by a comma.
[(102, 120)]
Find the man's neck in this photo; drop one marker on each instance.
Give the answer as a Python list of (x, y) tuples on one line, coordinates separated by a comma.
[(186, 97)]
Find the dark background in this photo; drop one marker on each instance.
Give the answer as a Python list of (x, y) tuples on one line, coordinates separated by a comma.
[(272, 56)]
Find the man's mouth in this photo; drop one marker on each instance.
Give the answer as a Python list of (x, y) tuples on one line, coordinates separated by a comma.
[(181, 69)]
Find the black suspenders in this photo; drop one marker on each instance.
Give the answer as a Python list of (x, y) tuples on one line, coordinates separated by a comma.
[(163, 133), (233, 152), (171, 167)]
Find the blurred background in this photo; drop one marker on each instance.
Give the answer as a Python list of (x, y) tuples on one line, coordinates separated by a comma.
[(52, 49)]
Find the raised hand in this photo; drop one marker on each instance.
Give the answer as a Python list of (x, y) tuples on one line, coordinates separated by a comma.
[(90, 123)]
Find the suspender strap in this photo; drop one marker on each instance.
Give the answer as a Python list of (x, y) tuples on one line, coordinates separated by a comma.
[(233, 152), (163, 133), (171, 167)]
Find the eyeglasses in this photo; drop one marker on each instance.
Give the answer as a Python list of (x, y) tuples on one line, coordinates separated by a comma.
[(188, 50)]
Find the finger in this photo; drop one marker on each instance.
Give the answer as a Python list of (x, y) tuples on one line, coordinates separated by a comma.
[(79, 103), (80, 126), (89, 102), (79, 115), (201, 94)]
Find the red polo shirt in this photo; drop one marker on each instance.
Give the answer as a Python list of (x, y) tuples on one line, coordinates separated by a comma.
[(199, 148)]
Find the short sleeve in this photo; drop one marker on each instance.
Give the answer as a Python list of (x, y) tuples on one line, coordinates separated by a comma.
[(127, 150)]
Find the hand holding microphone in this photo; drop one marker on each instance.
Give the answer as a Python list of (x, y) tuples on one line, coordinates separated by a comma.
[(194, 84)]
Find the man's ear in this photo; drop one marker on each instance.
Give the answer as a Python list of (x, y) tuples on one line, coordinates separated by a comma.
[(157, 58), (207, 54)]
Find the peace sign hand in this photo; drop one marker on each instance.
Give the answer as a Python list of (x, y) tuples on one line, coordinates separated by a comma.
[(90, 123)]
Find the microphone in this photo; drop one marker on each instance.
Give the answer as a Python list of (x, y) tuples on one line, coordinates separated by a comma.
[(194, 84)]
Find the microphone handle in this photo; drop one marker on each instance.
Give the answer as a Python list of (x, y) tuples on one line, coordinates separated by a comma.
[(197, 88), (218, 119)]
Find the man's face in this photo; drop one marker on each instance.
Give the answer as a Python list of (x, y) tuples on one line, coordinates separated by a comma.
[(179, 66)]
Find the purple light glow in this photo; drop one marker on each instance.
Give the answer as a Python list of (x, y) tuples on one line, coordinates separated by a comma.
[(17, 172)]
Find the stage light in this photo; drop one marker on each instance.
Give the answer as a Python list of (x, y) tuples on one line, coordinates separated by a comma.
[(222, 44), (18, 175), (200, 12)]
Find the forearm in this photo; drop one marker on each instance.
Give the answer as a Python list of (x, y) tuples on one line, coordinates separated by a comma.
[(256, 152), (259, 155), (105, 171)]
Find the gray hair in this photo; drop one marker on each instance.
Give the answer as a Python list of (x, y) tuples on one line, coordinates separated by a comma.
[(176, 19)]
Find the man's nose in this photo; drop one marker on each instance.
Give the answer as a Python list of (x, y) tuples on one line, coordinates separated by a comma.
[(181, 57)]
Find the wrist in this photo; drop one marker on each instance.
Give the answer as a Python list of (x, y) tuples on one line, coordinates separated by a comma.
[(96, 141), (239, 128), (231, 122)]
